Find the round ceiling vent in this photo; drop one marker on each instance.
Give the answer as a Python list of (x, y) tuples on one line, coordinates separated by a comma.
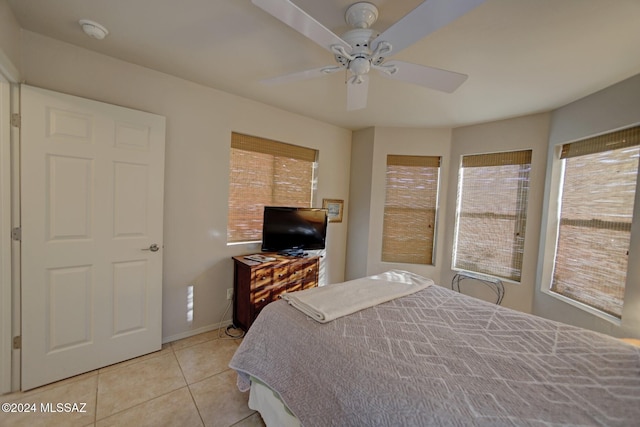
[(93, 29)]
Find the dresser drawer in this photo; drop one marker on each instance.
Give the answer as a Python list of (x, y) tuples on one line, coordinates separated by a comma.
[(281, 275), (258, 284), (261, 297), (309, 272), (261, 278)]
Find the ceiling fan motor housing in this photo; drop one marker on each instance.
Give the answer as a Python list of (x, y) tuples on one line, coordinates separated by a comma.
[(360, 16)]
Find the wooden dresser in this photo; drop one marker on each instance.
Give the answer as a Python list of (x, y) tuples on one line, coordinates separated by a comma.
[(257, 284)]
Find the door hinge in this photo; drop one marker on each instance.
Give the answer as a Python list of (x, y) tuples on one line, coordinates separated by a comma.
[(16, 234), (16, 120), (17, 342)]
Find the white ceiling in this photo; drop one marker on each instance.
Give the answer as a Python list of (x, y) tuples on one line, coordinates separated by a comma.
[(522, 56)]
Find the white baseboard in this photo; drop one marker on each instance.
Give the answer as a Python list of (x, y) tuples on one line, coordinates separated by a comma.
[(193, 332)]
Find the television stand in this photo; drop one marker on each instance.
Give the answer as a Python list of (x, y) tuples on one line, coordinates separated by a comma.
[(256, 284)]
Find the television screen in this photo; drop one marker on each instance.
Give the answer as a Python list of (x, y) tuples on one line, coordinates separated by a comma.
[(286, 228)]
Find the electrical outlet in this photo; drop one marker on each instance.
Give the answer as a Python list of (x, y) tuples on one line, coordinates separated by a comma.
[(230, 293)]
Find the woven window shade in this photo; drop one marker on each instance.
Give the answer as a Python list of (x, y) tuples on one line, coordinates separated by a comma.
[(599, 144), (265, 173), (595, 219), (492, 213), (410, 209)]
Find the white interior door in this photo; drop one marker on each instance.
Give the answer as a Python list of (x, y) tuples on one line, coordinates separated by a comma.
[(92, 182)]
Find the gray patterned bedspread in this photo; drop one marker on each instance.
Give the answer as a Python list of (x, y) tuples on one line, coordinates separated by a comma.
[(439, 358)]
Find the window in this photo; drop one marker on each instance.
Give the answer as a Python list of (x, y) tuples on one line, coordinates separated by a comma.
[(265, 173), (491, 214), (410, 209), (598, 188)]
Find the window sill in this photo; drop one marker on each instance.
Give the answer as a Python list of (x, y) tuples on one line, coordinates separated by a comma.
[(584, 307), (252, 242), (484, 276)]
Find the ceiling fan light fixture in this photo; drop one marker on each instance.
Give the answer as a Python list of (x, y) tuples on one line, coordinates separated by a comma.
[(93, 29), (360, 66)]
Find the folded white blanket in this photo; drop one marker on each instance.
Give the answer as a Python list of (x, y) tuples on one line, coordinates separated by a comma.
[(330, 302)]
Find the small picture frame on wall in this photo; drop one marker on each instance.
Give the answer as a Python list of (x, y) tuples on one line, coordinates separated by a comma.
[(334, 207)]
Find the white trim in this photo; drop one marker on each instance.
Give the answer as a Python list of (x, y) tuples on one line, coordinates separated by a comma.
[(550, 227), (9, 75), (456, 230), (198, 331), (585, 307), (9, 251), (484, 276), (250, 242), (5, 237), (16, 326)]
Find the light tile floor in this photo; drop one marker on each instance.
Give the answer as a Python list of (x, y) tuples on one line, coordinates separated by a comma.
[(187, 383)]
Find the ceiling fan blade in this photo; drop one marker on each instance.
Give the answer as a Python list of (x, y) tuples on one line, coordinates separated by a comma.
[(301, 75), (433, 78), (357, 94), (302, 22), (428, 17)]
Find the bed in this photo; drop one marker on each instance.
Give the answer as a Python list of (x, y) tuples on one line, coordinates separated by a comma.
[(435, 357)]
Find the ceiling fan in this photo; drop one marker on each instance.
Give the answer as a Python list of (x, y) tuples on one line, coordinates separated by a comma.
[(361, 49)]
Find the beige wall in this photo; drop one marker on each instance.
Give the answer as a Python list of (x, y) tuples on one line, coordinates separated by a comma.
[(528, 132), (9, 41), (199, 125), (359, 203), (615, 107)]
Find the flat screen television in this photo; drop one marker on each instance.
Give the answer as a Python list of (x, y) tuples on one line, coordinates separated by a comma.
[(291, 229)]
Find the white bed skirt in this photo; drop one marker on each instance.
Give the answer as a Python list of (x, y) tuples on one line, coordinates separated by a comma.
[(271, 408)]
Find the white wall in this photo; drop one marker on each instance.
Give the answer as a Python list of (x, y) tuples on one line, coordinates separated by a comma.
[(199, 125), (607, 110)]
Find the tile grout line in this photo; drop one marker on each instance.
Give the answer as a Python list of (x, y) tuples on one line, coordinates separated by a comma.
[(141, 403), (246, 418), (216, 338), (193, 399), (95, 410)]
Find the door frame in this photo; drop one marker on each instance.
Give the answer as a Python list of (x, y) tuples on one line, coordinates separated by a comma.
[(9, 218)]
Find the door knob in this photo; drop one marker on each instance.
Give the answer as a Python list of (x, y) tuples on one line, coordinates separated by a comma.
[(152, 248)]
